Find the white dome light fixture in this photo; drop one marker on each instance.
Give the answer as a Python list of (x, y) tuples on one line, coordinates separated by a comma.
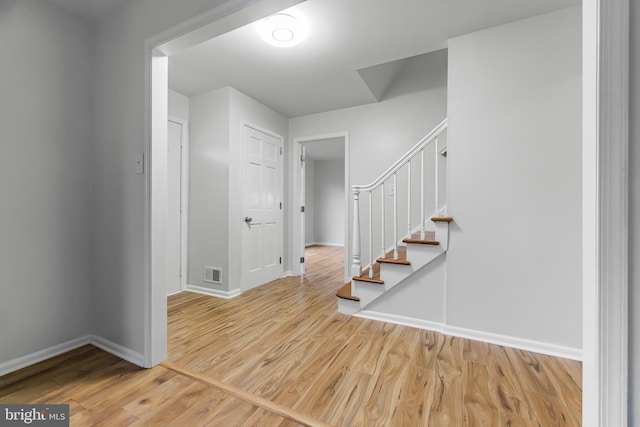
[(282, 30)]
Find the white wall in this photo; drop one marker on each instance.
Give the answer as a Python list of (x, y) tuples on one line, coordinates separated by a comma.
[(209, 187), (634, 219), (45, 177), (309, 196), (514, 260), (328, 202)]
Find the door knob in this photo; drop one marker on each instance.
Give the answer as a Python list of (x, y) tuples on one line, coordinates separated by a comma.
[(248, 219)]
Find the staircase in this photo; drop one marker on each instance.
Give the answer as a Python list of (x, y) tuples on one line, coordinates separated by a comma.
[(423, 240)]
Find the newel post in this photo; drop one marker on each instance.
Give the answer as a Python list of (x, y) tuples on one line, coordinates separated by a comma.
[(356, 266)]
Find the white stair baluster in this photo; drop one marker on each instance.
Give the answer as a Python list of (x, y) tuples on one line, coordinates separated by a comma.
[(356, 267), (395, 216), (435, 153), (382, 238), (423, 220), (409, 199), (370, 234)]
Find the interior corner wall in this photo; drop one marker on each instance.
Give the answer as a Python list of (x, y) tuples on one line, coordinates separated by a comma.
[(309, 206), (246, 110), (328, 202), (45, 179), (209, 187), (514, 176), (634, 217)]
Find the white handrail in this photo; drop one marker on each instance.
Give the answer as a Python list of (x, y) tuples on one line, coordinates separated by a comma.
[(432, 136)]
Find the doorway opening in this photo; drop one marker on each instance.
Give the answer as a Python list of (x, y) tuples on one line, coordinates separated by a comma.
[(323, 194)]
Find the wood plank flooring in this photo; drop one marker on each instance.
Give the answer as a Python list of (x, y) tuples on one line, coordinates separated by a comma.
[(102, 390), (287, 343)]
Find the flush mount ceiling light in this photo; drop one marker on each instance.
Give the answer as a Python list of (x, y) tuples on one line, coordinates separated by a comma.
[(282, 30)]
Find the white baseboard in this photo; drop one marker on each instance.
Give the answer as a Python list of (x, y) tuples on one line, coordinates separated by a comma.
[(324, 244), (515, 342), (214, 292), (472, 334), (41, 355), (401, 320), (56, 350), (118, 350), (288, 273)]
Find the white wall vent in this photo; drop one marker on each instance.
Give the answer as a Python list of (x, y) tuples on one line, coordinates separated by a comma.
[(212, 275)]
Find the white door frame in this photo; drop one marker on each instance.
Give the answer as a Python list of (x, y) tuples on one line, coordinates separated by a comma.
[(302, 192), (605, 190), (184, 200), (297, 234), (605, 230)]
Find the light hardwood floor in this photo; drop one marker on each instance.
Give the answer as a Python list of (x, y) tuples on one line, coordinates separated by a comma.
[(102, 390), (287, 343)]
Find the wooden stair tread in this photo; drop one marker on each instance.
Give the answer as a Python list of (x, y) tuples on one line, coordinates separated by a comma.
[(429, 238), (345, 293), (402, 257), (364, 277), (442, 219)]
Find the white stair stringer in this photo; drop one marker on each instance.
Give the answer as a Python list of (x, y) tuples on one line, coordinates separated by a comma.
[(418, 255), (392, 274)]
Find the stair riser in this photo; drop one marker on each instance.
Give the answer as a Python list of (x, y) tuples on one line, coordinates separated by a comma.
[(421, 255), (392, 274), (347, 306), (442, 234)]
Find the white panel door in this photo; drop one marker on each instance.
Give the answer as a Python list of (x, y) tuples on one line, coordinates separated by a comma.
[(174, 217), (262, 196)]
